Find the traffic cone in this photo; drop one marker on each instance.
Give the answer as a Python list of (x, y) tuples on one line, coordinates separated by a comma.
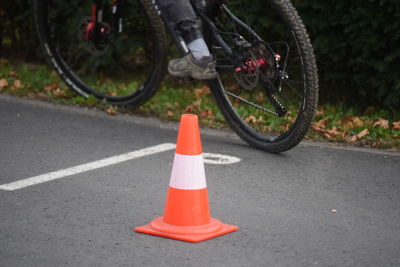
[(187, 215)]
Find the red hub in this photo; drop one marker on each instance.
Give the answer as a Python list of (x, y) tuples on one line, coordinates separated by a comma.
[(250, 65)]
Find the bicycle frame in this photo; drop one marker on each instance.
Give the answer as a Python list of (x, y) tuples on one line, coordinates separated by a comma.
[(258, 78), (206, 14)]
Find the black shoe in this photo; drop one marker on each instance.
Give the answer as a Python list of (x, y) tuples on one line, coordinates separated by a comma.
[(203, 69)]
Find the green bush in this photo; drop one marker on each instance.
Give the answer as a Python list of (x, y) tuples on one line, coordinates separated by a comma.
[(357, 44), (17, 32)]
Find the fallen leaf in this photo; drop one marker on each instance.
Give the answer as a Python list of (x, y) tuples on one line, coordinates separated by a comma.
[(333, 133), (320, 125), (111, 111), (320, 112), (12, 74), (396, 125), (382, 123), (17, 84), (169, 113), (205, 90), (251, 119), (194, 106), (347, 122), (42, 96), (291, 119), (352, 121), (353, 138), (50, 86), (236, 104), (327, 136), (359, 135), (286, 127), (206, 113), (60, 93), (369, 110), (260, 97), (357, 122), (3, 83), (362, 133), (232, 88)]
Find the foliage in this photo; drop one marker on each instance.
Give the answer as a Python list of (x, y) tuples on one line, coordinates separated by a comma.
[(374, 128), (17, 32), (357, 44)]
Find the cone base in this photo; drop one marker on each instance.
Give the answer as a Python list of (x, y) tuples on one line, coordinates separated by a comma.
[(186, 233)]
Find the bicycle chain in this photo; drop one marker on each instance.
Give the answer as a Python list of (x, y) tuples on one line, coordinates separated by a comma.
[(252, 104)]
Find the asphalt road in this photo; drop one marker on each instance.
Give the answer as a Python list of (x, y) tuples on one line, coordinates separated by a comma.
[(282, 203)]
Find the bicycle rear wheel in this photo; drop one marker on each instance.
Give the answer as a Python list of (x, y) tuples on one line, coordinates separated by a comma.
[(268, 91), (120, 67)]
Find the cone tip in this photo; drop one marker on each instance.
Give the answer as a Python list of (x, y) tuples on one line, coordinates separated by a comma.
[(189, 142), (189, 116)]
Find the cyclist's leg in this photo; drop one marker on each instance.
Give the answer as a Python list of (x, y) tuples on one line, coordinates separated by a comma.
[(181, 15), (199, 63), (185, 21)]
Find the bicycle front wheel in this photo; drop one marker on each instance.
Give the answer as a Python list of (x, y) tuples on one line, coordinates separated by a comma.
[(268, 89), (122, 62)]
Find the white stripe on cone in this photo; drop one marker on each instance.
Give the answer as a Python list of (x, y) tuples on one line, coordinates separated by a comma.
[(188, 172)]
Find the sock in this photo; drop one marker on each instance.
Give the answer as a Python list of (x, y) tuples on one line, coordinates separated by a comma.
[(199, 49)]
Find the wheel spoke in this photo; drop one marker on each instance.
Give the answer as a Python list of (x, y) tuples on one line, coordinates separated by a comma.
[(258, 110), (294, 89), (98, 66)]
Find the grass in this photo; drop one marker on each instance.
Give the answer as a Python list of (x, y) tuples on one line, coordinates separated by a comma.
[(336, 124)]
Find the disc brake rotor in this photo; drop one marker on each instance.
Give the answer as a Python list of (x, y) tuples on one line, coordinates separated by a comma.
[(268, 70), (259, 64), (248, 79), (101, 46)]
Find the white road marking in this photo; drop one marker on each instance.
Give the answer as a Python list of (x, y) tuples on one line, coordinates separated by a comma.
[(209, 158), (86, 167), (219, 159)]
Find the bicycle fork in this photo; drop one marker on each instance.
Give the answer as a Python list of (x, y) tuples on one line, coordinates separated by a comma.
[(97, 29)]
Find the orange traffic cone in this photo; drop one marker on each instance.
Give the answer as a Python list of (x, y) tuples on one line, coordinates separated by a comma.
[(187, 215)]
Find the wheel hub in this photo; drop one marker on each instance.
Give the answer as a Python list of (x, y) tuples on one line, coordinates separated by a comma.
[(95, 39), (259, 62)]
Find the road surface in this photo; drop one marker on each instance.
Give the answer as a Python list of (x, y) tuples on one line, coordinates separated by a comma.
[(315, 205)]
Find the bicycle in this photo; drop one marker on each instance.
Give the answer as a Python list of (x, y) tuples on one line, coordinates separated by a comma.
[(267, 87)]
